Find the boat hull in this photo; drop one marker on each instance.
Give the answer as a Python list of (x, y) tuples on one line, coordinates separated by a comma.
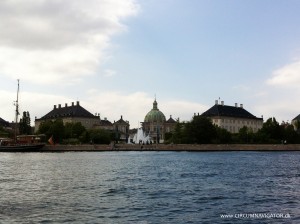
[(22, 148)]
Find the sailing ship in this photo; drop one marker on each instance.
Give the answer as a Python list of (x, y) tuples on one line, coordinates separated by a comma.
[(22, 143)]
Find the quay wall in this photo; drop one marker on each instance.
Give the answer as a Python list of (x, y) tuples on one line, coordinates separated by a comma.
[(173, 147)]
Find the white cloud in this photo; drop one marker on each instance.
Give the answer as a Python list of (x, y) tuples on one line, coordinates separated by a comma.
[(282, 108), (58, 41), (183, 110), (135, 106), (37, 104), (109, 73), (287, 76)]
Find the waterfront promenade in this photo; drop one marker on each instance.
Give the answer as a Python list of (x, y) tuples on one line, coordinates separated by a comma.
[(173, 147)]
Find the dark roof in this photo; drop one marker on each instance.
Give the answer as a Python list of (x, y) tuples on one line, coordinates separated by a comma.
[(105, 122), (171, 120), (68, 111), (297, 118), (228, 111), (121, 121), (4, 123)]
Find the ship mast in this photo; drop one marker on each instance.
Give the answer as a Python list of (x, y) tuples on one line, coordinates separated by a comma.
[(17, 112)]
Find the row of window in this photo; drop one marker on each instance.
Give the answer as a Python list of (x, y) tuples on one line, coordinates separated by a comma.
[(235, 129), (232, 121)]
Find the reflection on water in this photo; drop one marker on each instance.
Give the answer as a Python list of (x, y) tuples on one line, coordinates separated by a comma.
[(147, 187)]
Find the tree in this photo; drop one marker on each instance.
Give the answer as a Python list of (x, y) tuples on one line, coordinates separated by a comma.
[(100, 136), (74, 130), (290, 135), (45, 128), (272, 131), (178, 133), (24, 125), (223, 136), (3, 132), (200, 130), (58, 130), (55, 129)]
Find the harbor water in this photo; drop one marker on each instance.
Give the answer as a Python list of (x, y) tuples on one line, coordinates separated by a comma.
[(150, 187)]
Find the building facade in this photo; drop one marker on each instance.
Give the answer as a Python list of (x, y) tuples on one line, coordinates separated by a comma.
[(233, 118), (69, 114), (296, 123), (121, 129), (155, 124), (105, 125)]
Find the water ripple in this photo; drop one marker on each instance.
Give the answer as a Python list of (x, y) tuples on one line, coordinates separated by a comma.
[(147, 187)]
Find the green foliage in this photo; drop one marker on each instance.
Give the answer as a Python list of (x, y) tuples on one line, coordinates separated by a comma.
[(24, 125), (290, 136), (100, 136), (74, 130), (73, 133), (177, 136), (54, 129), (3, 132), (45, 128), (58, 130), (200, 131), (223, 136), (168, 137), (272, 131)]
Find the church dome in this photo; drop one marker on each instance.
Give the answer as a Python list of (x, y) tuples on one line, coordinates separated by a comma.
[(155, 115)]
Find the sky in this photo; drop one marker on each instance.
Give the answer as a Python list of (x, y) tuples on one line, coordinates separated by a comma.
[(117, 56)]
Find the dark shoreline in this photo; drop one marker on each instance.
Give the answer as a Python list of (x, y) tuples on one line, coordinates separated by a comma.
[(173, 147)]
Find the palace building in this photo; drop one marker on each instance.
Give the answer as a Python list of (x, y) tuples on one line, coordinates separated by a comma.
[(120, 128), (70, 114), (233, 118), (155, 124), (296, 123)]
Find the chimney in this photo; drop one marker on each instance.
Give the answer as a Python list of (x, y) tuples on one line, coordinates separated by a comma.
[(121, 117), (216, 102), (241, 105), (222, 102), (72, 103), (66, 105), (59, 105), (54, 107), (236, 105), (77, 103)]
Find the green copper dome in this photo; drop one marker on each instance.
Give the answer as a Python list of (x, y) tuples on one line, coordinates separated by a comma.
[(155, 115)]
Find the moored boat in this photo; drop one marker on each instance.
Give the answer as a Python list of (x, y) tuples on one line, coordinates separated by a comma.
[(9, 145), (22, 143)]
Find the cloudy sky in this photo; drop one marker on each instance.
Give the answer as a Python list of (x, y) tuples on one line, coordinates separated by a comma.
[(115, 56)]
